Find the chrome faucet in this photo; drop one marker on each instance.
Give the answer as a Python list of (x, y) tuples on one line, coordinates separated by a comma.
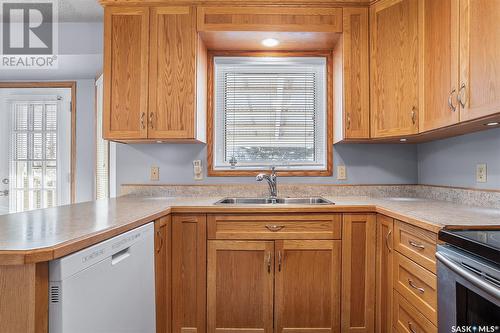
[(272, 181)]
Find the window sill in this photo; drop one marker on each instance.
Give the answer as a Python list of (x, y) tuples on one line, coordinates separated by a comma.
[(283, 173)]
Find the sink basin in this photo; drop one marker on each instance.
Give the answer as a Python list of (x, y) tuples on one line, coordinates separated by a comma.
[(269, 201)]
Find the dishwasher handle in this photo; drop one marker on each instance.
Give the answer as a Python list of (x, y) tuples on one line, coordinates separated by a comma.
[(477, 281), (120, 256)]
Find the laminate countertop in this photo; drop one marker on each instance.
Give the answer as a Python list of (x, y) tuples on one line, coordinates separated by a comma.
[(46, 234)]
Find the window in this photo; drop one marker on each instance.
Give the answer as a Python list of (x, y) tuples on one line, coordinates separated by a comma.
[(270, 111), (34, 155)]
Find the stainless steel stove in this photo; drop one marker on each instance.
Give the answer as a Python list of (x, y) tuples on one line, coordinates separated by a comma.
[(469, 281)]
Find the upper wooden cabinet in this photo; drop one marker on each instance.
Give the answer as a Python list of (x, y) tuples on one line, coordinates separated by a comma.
[(395, 66), (126, 57), (351, 63), (153, 88), (300, 19), (479, 91), (440, 64)]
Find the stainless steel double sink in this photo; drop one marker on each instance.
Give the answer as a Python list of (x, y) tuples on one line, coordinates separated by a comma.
[(275, 201)]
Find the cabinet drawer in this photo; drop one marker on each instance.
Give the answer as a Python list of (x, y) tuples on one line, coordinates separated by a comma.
[(407, 319), (417, 285), (417, 244), (306, 226)]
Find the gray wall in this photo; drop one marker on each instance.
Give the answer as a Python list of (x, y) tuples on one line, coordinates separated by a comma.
[(453, 161), (366, 164), (85, 140)]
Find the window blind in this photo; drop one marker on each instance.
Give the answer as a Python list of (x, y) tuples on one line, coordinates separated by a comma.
[(270, 111), (33, 155), (102, 148)]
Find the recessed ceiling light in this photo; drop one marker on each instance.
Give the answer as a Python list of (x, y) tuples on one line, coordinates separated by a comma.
[(403, 140), (270, 42), (493, 123)]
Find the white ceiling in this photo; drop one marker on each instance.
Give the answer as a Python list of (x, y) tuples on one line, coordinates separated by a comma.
[(80, 11)]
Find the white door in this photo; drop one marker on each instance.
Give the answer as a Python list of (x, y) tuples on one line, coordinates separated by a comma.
[(35, 158)]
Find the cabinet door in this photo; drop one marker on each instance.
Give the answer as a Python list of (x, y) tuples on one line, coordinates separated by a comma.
[(240, 283), (189, 273), (307, 286), (394, 100), (358, 273), (172, 73), (440, 40), (479, 58), (162, 274), (126, 45), (356, 74), (383, 318)]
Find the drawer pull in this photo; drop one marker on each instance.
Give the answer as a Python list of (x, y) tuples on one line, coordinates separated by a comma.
[(412, 284), (387, 240), (410, 327), (274, 227), (416, 245)]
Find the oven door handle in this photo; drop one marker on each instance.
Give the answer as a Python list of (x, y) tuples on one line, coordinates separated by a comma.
[(476, 281)]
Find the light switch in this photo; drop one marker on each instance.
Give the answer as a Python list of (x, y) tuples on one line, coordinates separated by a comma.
[(341, 172), (481, 173), (155, 173)]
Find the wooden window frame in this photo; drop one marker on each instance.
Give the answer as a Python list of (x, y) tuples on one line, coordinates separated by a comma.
[(58, 84), (211, 172)]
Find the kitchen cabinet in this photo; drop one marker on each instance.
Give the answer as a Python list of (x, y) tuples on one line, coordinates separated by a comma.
[(440, 54), (189, 262), (126, 58), (351, 62), (240, 286), (395, 68), (163, 274), (155, 75), (479, 91), (358, 273), (384, 286), (307, 285)]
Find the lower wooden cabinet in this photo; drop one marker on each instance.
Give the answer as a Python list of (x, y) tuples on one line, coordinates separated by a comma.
[(240, 285), (189, 243), (163, 274), (307, 286), (296, 282), (358, 273), (384, 285)]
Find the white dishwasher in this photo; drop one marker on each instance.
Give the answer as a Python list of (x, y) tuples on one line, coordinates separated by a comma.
[(105, 288)]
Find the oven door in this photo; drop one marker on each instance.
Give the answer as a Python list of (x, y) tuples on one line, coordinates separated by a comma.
[(468, 292)]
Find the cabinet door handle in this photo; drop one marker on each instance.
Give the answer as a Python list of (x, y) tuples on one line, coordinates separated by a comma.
[(410, 327), (453, 108), (151, 116), (416, 245), (414, 286), (414, 115), (274, 227), (279, 261), (158, 234), (348, 122), (459, 96), (143, 125), (387, 240), (269, 262)]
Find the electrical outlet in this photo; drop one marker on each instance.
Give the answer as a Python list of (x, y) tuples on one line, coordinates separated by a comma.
[(481, 173), (155, 173), (198, 170), (341, 172)]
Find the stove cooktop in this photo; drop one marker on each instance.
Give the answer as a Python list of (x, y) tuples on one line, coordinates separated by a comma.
[(483, 243)]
